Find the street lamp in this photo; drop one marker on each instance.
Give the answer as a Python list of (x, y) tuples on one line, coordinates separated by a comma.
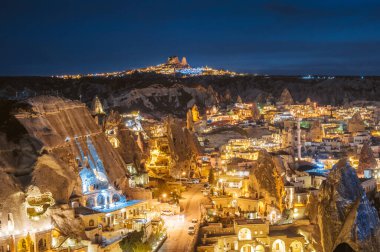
[(164, 196), (180, 176)]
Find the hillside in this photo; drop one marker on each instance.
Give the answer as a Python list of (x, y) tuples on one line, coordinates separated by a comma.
[(149, 91)]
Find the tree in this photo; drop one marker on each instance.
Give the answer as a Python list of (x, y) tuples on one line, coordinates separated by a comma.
[(160, 189), (211, 177), (133, 242), (142, 247)]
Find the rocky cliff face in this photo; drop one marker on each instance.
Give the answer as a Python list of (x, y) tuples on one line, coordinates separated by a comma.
[(53, 133), (128, 148), (344, 212)]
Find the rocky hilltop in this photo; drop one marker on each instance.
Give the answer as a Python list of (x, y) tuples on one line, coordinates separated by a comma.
[(344, 213)]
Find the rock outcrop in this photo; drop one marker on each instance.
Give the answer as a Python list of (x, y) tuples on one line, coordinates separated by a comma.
[(183, 145), (344, 213), (356, 124), (128, 141), (367, 159), (255, 111), (53, 133), (159, 100), (286, 98), (239, 100), (266, 178), (249, 87)]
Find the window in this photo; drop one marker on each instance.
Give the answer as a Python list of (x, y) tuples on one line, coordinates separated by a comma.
[(244, 234), (42, 245), (91, 223)]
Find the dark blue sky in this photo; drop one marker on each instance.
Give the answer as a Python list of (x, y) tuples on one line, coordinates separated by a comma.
[(275, 37)]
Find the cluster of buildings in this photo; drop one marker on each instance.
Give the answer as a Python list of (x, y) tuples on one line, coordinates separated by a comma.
[(102, 214), (173, 66), (263, 163), (301, 142)]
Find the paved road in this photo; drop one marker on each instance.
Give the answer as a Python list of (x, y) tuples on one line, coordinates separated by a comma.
[(178, 238)]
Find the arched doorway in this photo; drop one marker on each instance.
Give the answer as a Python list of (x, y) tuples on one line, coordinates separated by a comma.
[(31, 246), (278, 246), (344, 247), (296, 246), (115, 198), (41, 245), (244, 234), (247, 248), (259, 248), (21, 246), (90, 202), (100, 200)]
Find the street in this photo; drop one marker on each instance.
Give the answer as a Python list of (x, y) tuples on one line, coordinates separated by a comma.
[(178, 239)]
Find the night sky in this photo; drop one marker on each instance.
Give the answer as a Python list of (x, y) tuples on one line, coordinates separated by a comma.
[(273, 37)]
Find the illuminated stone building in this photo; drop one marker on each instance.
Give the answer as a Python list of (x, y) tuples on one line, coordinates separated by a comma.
[(250, 236)]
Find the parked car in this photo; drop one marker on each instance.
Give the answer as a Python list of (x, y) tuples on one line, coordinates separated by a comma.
[(195, 181), (194, 221), (191, 230)]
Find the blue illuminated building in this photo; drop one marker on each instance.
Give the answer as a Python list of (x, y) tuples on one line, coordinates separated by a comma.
[(98, 193)]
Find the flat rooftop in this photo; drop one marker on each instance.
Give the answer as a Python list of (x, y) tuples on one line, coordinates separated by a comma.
[(249, 221), (112, 207)]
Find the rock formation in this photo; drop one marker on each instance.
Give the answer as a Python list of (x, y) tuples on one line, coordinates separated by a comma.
[(227, 97), (249, 87), (130, 146), (344, 212), (173, 60), (367, 159), (53, 133), (159, 100), (239, 100), (286, 98), (266, 178), (356, 124), (183, 145), (255, 112), (184, 62), (96, 106), (212, 97), (189, 121), (308, 101)]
